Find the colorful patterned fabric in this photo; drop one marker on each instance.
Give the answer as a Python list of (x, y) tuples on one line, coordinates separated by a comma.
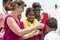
[(27, 24), (45, 17)]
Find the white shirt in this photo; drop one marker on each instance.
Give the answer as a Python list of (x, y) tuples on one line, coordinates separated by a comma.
[(53, 35)]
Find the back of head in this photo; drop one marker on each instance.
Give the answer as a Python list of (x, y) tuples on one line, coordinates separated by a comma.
[(52, 23), (36, 4), (5, 1), (18, 4), (7, 4), (18, 1)]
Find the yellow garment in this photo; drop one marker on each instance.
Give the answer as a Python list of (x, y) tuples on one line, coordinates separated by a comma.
[(27, 24)]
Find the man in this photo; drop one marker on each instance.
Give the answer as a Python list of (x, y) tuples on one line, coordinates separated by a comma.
[(51, 26), (41, 17)]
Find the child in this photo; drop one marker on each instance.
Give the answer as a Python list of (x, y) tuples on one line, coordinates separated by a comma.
[(30, 21), (51, 30)]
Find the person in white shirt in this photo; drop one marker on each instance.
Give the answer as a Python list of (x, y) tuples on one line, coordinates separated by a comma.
[(51, 30)]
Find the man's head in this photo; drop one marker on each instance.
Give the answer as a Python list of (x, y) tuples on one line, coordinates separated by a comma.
[(51, 24), (36, 7), (7, 4)]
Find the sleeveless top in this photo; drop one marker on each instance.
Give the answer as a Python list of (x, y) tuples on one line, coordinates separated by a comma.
[(9, 35)]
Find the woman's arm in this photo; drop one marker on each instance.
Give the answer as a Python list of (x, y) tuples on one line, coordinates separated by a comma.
[(31, 34), (15, 28)]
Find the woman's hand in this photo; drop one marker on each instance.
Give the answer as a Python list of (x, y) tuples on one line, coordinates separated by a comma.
[(39, 25)]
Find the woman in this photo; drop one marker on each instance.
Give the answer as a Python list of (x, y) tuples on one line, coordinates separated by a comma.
[(12, 25)]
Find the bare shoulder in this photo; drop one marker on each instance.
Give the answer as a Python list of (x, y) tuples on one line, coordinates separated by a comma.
[(10, 19)]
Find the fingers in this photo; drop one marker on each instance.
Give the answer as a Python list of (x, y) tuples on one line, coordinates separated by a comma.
[(39, 25)]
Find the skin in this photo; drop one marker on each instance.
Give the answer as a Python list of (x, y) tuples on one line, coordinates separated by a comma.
[(37, 11), (18, 1), (31, 16), (15, 28), (8, 5), (48, 29)]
